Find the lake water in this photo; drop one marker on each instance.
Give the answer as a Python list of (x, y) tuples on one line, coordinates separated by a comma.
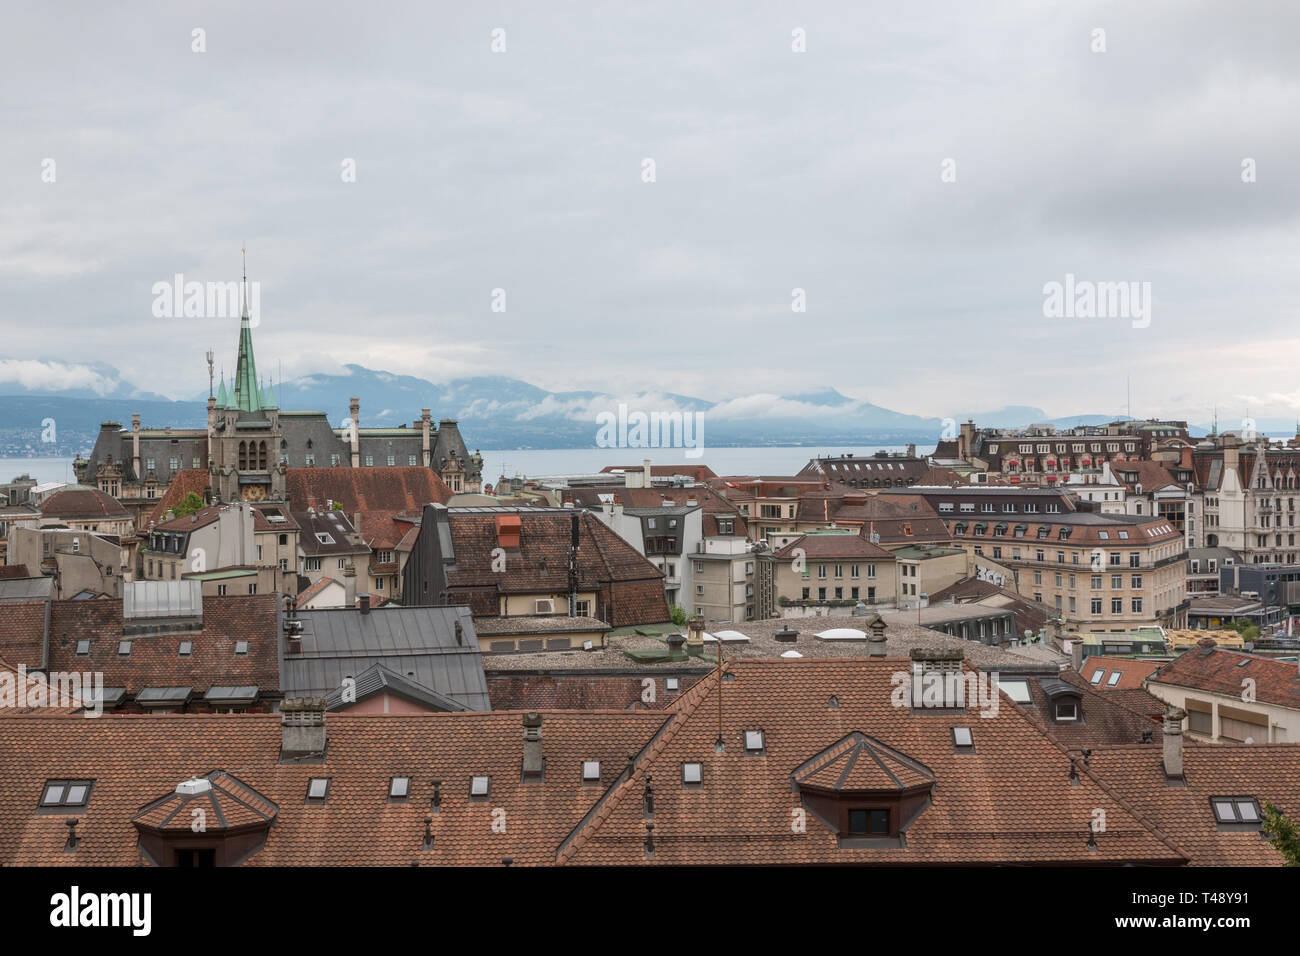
[(536, 462)]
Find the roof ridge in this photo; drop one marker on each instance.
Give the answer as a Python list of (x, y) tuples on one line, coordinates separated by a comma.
[(686, 707)]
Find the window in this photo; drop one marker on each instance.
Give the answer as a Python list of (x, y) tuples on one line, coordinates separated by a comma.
[(1096, 605), (186, 648), (83, 648), (671, 683), (370, 461), (1235, 809), (753, 741), (123, 648), (318, 787), (399, 788), (66, 794), (961, 737), (1067, 710), (1114, 678), (590, 771), (692, 774), (392, 460), (869, 822), (1116, 605), (479, 786), (1097, 675), (241, 648), (221, 590)]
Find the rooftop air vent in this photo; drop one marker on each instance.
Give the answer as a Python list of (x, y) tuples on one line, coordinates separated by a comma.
[(194, 786)]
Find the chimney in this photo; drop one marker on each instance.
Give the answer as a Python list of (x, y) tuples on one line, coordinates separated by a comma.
[(534, 765), (302, 727), (645, 473), (135, 446), (876, 637), (349, 584), (424, 431), (354, 408), (509, 530), (365, 603), (1173, 743)]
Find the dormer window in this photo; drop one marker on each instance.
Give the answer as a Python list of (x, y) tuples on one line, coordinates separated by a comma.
[(1067, 710), (871, 822)]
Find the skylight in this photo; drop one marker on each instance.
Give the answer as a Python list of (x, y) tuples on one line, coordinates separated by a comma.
[(1114, 679), (241, 647), (124, 648), (590, 770), (318, 788), (1098, 674), (1235, 809), (399, 788), (65, 794), (186, 648), (692, 773), (754, 740), (83, 648), (671, 683), (1017, 690), (961, 737), (479, 786)]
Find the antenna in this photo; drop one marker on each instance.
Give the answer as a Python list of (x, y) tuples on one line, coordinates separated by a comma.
[(210, 356)]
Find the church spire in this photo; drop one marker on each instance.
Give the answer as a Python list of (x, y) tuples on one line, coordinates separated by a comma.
[(247, 397)]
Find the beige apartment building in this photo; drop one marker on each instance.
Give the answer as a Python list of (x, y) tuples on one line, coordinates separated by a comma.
[(829, 569), (726, 583), (1099, 573)]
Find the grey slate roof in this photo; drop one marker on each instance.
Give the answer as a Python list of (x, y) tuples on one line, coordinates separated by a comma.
[(416, 641), (379, 678), (26, 589)]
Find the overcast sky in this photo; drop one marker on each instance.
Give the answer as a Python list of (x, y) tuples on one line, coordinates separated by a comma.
[(774, 170)]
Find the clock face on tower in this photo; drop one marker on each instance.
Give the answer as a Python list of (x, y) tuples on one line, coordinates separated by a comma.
[(254, 492)]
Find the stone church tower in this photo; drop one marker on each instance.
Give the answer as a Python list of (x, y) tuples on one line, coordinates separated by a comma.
[(244, 437)]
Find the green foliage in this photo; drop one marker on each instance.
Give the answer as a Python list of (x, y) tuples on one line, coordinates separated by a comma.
[(1284, 833), (1249, 632), (188, 505), (679, 615)]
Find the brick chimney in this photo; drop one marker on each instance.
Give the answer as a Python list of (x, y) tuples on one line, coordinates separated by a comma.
[(534, 764), (1173, 743), (302, 727), (354, 409)]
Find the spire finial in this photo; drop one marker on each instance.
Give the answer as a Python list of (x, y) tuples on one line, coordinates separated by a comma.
[(244, 252)]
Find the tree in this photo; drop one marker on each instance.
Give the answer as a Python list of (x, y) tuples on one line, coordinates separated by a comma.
[(1284, 833), (679, 615), (1248, 631), (187, 505)]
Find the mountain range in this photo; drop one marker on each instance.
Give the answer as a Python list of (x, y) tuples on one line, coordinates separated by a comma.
[(494, 412)]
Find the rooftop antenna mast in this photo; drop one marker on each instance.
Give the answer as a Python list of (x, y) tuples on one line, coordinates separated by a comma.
[(210, 357)]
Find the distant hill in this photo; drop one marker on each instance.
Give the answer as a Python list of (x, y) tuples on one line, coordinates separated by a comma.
[(494, 412)]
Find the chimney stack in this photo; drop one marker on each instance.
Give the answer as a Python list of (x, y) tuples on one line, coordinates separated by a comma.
[(365, 603), (424, 434), (876, 637), (354, 409), (135, 447), (534, 765), (302, 727), (1173, 743), (349, 584)]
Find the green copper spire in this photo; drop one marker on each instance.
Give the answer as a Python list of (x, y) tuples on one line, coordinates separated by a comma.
[(223, 398), (248, 396)]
